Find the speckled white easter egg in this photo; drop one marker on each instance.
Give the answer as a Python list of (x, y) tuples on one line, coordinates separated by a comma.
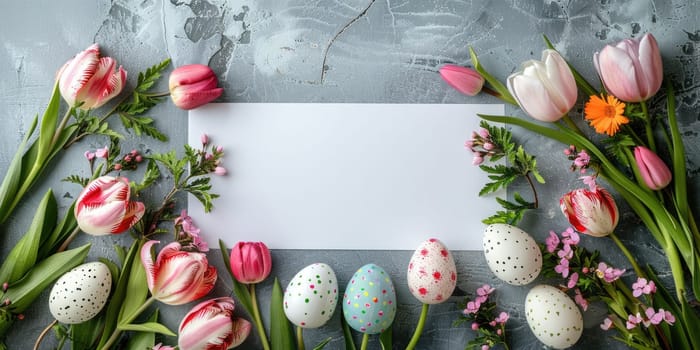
[(311, 296), (80, 293), (432, 274), (553, 317), (512, 254), (369, 301)]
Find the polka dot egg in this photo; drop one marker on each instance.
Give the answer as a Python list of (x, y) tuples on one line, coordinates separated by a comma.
[(369, 301), (80, 293), (553, 317), (432, 273), (311, 296), (512, 254)]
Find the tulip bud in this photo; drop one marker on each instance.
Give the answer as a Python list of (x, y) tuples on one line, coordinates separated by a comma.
[(546, 89), (251, 262), (631, 70), (103, 207), (89, 81), (653, 170), (211, 325), (177, 277), (462, 79), (193, 85), (592, 212)]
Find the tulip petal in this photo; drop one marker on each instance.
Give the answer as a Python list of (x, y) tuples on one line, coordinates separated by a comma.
[(533, 98), (650, 61), (133, 213), (77, 72), (147, 261), (194, 99)]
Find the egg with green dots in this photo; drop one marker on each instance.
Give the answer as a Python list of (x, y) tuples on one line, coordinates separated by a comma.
[(369, 301), (311, 296)]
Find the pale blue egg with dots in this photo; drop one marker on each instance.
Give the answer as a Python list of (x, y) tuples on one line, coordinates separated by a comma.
[(311, 296), (369, 301)]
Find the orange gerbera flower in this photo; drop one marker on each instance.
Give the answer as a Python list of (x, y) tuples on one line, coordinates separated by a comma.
[(605, 114)]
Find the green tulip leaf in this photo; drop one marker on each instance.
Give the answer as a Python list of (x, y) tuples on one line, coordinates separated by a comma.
[(347, 335), (86, 334), (12, 178), (281, 333), (119, 295), (24, 254), (48, 124), (137, 287), (323, 344), (144, 340), (45, 272), (153, 327)]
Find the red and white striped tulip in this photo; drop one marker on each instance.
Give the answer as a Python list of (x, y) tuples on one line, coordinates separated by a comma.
[(177, 277), (104, 207), (210, 325), (88, 81), (193, 85), (592, 212)]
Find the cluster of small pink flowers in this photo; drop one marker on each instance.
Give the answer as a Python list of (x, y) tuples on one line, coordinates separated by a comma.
[(642, 286), (608, 273), (129, 161), (188, 234), (581, 159), (651, 317), (482, 146), (215, 157), (479, 312)]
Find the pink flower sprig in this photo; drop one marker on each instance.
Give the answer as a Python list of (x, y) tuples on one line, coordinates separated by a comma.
[(480, 314), (581, 160), (483, 146)]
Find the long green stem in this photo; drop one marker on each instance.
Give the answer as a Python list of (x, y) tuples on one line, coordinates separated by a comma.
[(116, 333), (419, 328), (300, 338), (256, 317), (638, 270), (365, 341), (647, 126)]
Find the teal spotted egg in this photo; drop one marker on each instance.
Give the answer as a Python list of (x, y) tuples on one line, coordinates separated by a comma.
[(369, 301), (311, 296)]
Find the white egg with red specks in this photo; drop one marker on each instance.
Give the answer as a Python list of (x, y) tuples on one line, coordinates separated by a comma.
[(553, 317), (432, 273), (311, 296), (81, 293), (512, 254)]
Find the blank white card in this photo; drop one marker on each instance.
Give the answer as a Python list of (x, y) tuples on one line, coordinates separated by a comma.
[(344, 176)]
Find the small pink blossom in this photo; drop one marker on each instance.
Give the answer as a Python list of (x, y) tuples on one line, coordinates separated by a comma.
[(204, 138), (570, 237), (607, 273), (590, 182), (221, 171), (582, 159), (89, 155), (573, 279), (642, 286), (653, 316), (634, 320), (477, 160), (580, 300), (485, 347), (475, 326), (502, 318), (102, 152), (607, 324), (484, 133), (472, 307), (566, 252), (484, 290), (552, 241), (563, 268)]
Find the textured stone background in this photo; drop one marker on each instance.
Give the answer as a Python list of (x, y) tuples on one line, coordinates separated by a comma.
[(341, 51)]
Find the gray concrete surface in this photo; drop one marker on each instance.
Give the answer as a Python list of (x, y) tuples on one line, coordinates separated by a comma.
[(340, 51)]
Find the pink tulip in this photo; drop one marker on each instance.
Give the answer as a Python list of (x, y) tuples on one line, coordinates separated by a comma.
[(88, 81), (546, 89), (193, 85), (590, 212), (653, 170), (177, 277), (462, 79), (103, 207), (211, 326), (251, 262), (632, 69)]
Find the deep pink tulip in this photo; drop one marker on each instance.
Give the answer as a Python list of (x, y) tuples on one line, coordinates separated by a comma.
[(251, 262), (210, 325), (193, 85), (462, 79), (103, 207), (90, 79), (177, 277), (590, 212), (546, 89), (654, 171), (631, 70)]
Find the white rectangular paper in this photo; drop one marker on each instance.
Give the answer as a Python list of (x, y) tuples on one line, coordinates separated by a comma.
[(344, 176)]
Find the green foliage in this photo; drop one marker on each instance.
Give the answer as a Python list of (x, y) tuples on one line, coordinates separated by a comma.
[(281, 334), (142, 101), (520, 164)]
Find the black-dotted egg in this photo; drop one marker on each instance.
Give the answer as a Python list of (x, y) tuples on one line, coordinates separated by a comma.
[(80, 293), (512, 254)]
